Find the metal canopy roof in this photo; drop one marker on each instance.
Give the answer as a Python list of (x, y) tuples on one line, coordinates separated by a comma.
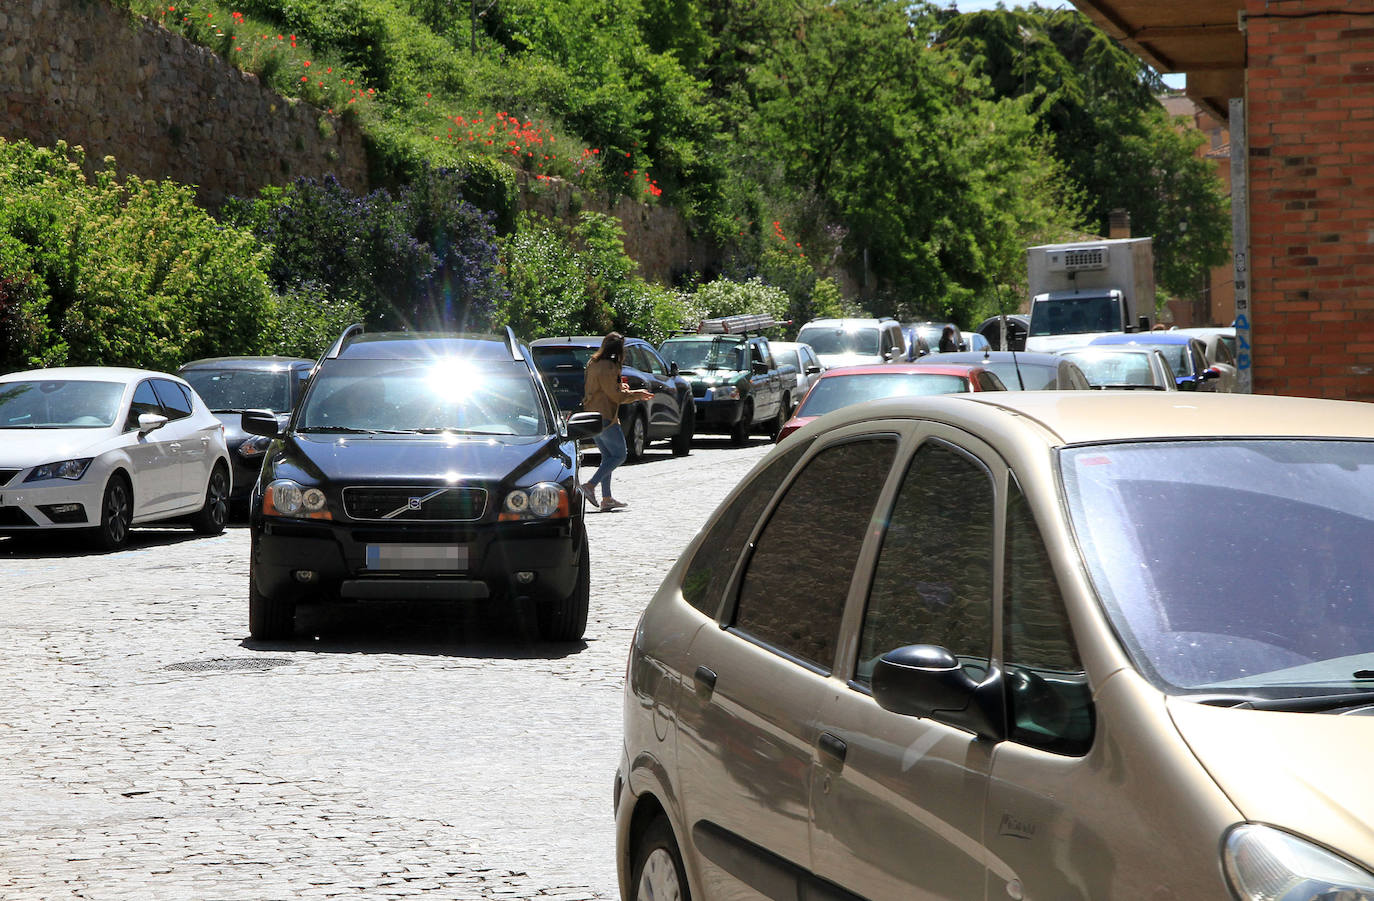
[(1199, 37)]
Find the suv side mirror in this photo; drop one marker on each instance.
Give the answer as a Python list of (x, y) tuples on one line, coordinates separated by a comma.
[(673, 370), (928, 681), (760, 367), (584, 425), (261, 422)]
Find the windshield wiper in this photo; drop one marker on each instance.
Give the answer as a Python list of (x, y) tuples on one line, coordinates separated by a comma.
[(1298, 704), (339, 429)]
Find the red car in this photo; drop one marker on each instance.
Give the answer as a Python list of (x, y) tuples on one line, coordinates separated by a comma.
[(855, 384)]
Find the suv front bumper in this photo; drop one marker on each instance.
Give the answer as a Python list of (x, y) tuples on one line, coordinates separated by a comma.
[(292, 558)]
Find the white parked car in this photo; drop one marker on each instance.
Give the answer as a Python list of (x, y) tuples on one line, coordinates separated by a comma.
[(103, 449), (802, 356)]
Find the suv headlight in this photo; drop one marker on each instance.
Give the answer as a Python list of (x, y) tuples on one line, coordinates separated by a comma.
[(253, 448), (64, 469), (1265, 864), (725, 392), (543, 501), (284, 497)]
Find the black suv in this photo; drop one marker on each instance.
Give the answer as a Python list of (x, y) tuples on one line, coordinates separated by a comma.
[(420, 465)]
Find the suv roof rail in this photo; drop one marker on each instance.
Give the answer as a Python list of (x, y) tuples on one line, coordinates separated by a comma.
[(735, 325), (348, 335), (514, 344)]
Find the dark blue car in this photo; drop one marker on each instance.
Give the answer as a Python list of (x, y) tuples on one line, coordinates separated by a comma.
[(1187, 356)]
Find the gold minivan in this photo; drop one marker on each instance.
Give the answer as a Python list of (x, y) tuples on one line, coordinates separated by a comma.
[(1046, 645)]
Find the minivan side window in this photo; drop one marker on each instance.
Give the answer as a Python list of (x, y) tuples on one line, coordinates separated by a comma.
[(794, 587), (933, 582), (1048, 698), (714, 563)]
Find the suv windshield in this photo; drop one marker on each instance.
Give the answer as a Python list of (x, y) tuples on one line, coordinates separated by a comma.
[(830, 340), (59, 404), (226, 390), (468, 397), (705, 353), (1233, 567)]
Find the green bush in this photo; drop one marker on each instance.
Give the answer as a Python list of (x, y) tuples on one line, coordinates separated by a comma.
[(724, 297), (108, 273), (305, 321)]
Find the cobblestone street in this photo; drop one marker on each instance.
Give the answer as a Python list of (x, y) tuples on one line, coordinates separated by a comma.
[(150, 751)]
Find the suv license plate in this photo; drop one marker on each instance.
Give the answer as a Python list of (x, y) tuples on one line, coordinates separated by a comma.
[(417, 556)]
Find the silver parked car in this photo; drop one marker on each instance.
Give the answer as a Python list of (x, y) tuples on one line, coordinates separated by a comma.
[(802, 356), (1055, 687)]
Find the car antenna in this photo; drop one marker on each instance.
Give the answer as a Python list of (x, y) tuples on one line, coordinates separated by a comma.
[(1006, 345)]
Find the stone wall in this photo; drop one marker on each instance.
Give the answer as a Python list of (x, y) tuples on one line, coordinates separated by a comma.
[(83, 72), (657, 237)]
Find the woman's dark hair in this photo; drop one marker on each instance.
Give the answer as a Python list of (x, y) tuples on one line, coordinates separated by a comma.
[(612, 348)]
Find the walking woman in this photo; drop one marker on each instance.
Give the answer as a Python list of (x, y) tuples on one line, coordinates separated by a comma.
[(604, 394)]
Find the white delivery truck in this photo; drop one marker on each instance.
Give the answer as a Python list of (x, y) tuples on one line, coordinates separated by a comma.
[(1081, 290)]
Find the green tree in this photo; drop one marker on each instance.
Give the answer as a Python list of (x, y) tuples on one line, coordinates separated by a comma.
[(1099, 106)]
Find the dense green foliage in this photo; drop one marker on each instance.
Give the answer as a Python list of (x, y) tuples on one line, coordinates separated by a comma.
[(849, 156), (130, 273), (424, 258), (1098, 106)]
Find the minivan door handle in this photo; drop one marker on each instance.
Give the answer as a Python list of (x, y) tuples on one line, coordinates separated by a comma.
[(705, 681), (832, 746)]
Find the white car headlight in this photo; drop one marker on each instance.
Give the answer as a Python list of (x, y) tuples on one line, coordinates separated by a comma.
[(725, 392), (542, 501), (284, 497), (1266, 864), (64, 469)]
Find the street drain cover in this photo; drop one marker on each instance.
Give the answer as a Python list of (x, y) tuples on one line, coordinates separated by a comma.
[(229, 664)]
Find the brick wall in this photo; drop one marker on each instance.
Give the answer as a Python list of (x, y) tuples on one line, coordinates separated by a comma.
[(1310, 99)]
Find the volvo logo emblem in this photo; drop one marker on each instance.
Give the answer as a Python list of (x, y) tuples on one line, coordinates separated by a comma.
[(414, 503)]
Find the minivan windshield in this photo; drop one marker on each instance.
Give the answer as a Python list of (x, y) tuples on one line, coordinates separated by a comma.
[(446, 395), (1238, 567), (832, 340)]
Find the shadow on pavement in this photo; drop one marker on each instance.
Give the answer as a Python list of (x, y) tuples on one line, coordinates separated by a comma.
[(68, 543), (405, 627)]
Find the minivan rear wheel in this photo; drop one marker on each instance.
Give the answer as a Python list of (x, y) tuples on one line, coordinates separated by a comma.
[(658, 873)]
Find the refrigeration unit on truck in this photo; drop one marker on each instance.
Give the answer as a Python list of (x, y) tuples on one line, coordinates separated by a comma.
[(1084, 289)]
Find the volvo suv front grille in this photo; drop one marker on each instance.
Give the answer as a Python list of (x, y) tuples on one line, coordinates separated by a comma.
[(416, 503)]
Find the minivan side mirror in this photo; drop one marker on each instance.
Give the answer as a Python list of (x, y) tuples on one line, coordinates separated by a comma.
[(928, 681), (584, 425), (261, 422)]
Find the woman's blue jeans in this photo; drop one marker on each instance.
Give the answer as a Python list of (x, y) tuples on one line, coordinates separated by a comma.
[(611, 443)]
